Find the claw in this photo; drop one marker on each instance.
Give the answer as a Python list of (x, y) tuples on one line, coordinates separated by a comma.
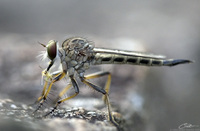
[(50, 111), (39, 106)]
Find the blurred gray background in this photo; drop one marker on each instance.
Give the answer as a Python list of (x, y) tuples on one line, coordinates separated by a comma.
[(165, 97)]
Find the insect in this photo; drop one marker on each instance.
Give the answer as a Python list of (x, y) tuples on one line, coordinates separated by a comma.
[(76, 56)]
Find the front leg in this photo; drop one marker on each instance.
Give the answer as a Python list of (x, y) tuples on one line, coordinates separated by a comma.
[(47, 78), (75, 85), (45, 92), (50, 78)]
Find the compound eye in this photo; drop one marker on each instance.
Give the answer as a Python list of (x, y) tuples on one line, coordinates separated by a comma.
[(52, 49)]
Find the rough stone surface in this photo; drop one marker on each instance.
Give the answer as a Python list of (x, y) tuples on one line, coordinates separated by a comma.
[(16, 116)]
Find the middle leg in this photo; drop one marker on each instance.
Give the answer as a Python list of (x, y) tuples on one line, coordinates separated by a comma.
[(75, 85)]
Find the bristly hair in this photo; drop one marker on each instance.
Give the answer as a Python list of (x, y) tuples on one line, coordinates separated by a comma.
[(42, 56)]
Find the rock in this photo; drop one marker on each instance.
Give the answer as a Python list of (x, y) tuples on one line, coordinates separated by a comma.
[(17, 116)]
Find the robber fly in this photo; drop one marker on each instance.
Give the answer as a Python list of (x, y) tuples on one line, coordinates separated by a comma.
[(76, 56)]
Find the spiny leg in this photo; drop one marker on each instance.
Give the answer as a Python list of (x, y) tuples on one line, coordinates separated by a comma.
[(100, 74), (75, 85), (111, 118), (63, 92), (41, 99), (45, 91), (59, 77), (48, 77)]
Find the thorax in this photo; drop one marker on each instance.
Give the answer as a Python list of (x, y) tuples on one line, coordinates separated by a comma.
[(78, 53)]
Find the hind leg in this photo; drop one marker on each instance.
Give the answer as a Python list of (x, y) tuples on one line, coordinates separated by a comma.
[(107, 101), (101, 74)]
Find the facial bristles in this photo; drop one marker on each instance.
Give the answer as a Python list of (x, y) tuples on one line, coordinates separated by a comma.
[(42, 56)]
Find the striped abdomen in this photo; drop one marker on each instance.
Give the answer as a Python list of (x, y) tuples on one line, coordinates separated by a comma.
[(103, 58)]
